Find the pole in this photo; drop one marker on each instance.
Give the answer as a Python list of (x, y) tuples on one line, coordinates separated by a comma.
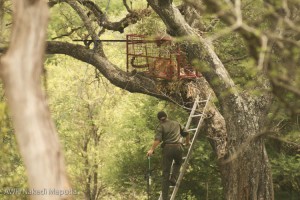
[(149, 177)]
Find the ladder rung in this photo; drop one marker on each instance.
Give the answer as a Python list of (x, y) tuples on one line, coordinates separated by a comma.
[(192, 129), (203, 101), (198, 115)]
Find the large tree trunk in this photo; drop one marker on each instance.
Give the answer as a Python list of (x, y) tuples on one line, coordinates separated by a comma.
[(21, 69), (247, 173)]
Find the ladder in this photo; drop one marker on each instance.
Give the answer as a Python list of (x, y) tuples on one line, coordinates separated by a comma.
[(198, 110)]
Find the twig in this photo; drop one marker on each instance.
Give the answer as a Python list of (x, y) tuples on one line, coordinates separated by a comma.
[(67, 34)]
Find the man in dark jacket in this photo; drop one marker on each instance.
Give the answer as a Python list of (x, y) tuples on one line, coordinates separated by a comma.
[(168, 132)]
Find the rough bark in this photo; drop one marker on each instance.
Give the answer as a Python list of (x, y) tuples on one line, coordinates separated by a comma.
[(21, 69), (247, 175)]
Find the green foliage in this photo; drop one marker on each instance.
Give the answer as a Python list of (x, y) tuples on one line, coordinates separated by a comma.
[(202, 178), (286, 176), (133, 136), (12, 171), (5, 22), (136, 138), (151, 26), (126, 122), (233, 52), (114, 8), (62, 20), (123, 128), (284, 153), (80, 109), (115, 51)]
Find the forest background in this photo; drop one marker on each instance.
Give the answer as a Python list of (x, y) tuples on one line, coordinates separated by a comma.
[(105, 131)]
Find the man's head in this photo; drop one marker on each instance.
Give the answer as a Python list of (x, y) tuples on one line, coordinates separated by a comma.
[(162, 115)]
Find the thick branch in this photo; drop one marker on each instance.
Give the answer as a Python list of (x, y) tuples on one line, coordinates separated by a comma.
[(132, 83)]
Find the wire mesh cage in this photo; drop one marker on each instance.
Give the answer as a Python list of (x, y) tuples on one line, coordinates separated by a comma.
[(157, 57)]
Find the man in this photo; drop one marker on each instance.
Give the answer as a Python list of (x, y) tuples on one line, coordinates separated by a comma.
[(168, 132)]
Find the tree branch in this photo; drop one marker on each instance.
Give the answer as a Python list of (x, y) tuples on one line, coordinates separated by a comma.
[(132, 83), (126, 6), (286, 86), (291, 148), (131, 18), (87, 22), (68, 33)]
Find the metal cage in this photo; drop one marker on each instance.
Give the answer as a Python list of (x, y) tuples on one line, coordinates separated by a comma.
[(157, 57)]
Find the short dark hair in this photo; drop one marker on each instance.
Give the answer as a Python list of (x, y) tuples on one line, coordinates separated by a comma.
[(161, 115)]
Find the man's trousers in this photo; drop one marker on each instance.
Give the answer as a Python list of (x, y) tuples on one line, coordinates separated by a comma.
[(170, 152)]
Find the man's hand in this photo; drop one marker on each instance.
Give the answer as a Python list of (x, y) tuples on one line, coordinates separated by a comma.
[(186, 145), (154, 145), (150, 152), (187, 140)]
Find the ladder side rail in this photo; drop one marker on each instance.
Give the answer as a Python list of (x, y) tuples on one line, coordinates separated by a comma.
[(192, 113), (185, 164), (160, 196)]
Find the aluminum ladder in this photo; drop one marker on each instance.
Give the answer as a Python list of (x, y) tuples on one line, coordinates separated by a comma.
[(198, 110)]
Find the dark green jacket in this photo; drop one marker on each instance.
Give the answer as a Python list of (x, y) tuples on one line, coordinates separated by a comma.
[(168, 132)]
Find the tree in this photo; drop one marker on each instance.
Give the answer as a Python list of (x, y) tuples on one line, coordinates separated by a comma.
[(21, 69), (82, 125)]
